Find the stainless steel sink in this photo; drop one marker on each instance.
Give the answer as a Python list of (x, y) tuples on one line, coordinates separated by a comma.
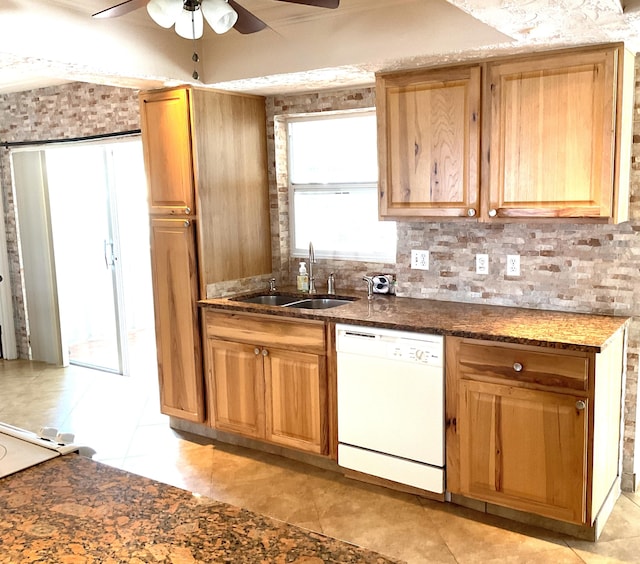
[(295, 301), (319, 303), (270, 300)]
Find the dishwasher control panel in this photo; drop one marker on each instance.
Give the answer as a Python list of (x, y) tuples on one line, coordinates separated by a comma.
[(403, 346), (417, 352)]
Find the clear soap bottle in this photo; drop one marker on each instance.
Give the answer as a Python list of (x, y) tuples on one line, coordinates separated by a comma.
[(303, 278)]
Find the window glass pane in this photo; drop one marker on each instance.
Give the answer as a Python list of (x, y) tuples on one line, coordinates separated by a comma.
[(343, 225), (333, 150)]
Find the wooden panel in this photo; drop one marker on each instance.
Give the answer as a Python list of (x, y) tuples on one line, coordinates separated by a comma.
[(166, 141), (428, 133), (332, 391), (231, 171), (296, 400), (562, 371), (607, 420), (552, 137), (298, 334), (174, 274), (524, 449), (237, 385), (451, 415)]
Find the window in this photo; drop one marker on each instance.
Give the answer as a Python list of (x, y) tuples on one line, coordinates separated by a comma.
[(333, 183)]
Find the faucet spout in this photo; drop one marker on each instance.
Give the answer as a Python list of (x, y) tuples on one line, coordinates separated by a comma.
[(312, 261)]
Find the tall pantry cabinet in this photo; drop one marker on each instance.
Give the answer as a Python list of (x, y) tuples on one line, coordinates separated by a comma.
[(205, 159)]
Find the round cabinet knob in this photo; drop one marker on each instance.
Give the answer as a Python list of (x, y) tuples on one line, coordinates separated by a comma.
[(187, 210), (493, 213), (471, 212), (265, 352), (517, 367), (256, 350), (187, 223), (580, 405)]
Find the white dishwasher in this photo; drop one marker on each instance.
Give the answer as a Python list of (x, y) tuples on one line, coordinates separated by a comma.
[(391, 405)]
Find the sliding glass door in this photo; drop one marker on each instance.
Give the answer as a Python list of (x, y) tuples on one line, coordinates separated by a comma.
[(97, 193)]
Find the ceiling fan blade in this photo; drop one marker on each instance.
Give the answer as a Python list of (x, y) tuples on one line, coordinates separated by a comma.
[(319, 3), (121, 9), (247, 22)]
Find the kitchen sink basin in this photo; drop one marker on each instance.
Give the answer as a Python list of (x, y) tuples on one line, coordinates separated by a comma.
[(319, 303), (295, 301), (270, 300)]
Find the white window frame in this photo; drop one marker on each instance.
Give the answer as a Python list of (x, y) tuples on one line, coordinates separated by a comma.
[(302, 250)]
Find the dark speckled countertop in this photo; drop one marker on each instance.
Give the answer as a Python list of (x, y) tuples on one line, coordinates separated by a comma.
[(556, 329), (74, 510)]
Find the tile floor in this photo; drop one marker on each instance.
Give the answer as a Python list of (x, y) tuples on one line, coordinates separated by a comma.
[(118, 416)]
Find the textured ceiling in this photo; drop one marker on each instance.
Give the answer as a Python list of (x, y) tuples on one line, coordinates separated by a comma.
[(304, 48)]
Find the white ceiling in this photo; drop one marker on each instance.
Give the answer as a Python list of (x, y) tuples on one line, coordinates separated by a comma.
[(47, 42)]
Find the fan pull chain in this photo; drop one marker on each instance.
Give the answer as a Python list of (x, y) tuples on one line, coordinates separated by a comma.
[(195, 57)]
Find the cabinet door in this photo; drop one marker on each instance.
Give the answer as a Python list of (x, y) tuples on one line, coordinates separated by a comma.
[(166, 140), (551, 124), (429, 142), (236, 387), (175, 290), (524, 449), (296, 400)]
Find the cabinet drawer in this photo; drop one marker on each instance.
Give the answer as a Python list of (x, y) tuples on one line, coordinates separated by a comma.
[(486, 361), (300, 334)]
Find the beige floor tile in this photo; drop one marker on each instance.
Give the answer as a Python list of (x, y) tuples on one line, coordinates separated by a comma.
[(610, 552), (476, 537)]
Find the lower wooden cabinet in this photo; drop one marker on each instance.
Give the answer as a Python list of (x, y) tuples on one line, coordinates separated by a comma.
[(532, 428), (267, 379), (175, 290), (524, 448)]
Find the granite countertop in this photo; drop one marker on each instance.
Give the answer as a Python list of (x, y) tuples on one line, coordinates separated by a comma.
[(563, 330), (73, 509)]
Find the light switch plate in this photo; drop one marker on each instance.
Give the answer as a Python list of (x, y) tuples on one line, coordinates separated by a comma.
[(513, 265), (419, 259), (482, 264)]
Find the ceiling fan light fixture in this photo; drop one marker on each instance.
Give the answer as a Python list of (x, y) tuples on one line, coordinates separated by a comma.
[(164, 12), (190, 28), (219, 15)]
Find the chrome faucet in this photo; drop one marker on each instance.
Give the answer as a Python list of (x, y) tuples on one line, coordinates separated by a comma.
[(312, 278), (369, 281)]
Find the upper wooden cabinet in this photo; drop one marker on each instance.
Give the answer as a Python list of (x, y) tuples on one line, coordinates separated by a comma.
[(206, 156), (555, 140), (429, 142), (166, 129), (558, 130)]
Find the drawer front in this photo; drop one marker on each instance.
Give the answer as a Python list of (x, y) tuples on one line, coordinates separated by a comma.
[(300, 334), (549, 369)]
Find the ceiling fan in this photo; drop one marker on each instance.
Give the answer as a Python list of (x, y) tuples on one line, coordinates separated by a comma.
[(187, 15)]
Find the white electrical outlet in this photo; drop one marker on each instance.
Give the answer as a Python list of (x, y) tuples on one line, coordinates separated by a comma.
[(420, 259), (482, 264), (513, 265)]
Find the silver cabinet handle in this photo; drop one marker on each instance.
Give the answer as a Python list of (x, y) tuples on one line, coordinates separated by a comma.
[(580, 405), (517, 367), (187, 210), (493, 213), (265, 352), (471, 212), (256, 350), (187, 223)]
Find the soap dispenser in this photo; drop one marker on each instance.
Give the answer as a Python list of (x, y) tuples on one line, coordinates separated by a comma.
[(303, 277)]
